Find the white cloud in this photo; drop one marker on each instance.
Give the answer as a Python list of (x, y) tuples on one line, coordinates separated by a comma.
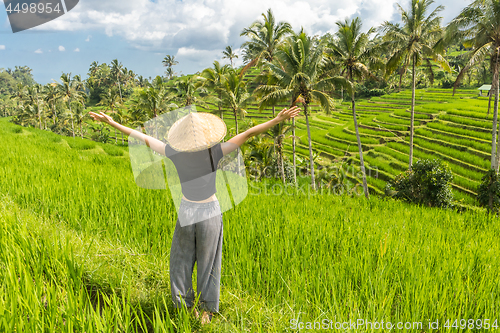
[(2, 47), (62, 48), (208, 26), (39, 51), (77, 50)]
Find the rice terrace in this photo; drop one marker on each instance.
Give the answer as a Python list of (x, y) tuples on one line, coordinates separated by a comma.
[(370, 157)]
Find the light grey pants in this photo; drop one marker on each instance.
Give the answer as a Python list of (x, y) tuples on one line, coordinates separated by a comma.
[(201, 242)]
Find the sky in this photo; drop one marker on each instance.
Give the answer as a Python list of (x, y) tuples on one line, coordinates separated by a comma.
[(140, 33)]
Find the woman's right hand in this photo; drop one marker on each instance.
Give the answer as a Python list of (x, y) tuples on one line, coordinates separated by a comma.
[(101, 117)]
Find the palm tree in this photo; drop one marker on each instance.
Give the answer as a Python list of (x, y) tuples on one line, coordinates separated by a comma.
[(80, 115), (213, 80), (478, 26), (32, 99), (352, 50), (151, 99), (67, 92), (278, 134), (168, 62), (110, 100), (420, 36), (234, 94), (116, 73), (49, 95), (265, 37), (19, 96), (299, 74), (189, 91), (229, 54)]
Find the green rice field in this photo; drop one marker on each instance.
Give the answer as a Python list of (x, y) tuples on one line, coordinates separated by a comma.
[(456, 129), (83, 249)]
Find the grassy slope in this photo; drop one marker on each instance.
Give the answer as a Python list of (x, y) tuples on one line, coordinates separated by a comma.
[(73, 221)]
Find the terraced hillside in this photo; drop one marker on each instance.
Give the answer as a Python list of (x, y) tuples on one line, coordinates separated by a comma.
[(454, 128)]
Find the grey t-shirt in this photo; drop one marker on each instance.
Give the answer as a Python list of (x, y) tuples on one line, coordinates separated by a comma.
[(197, 170)]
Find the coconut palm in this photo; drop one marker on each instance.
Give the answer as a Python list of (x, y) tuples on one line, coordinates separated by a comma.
[(169, 61), (116, 74), (352, 50), (79, 115), (278, 134), (67, 93), (420, 36), (19, 96), (50, 96), (111, 100), (234, 94), (478, 26), (265, 37), (213, 80), (299, 74), (150, 100), (32, 98), (229, 54), (189, 91)]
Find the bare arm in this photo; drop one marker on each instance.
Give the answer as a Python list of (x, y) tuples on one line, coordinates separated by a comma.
[(151, 142), (238, 140)]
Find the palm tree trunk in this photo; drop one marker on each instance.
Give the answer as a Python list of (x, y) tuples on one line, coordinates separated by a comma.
[(219, 106), (120, 90), (400, 79), (360, 148), (72, 125), (280, 153), (313, 184), (123, 142), (236, 121), (81, 132), (116, 137), (412, 121), (495, 114), (274, 109), (494, 159), (39, 115), (489, 100), (293, 152)]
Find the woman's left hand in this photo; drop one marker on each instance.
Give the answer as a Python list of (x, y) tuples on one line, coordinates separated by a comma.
[(288, 113)]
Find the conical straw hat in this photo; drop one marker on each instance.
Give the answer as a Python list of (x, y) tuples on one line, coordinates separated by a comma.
[(196, 131)]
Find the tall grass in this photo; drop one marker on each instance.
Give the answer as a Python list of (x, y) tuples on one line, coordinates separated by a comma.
[(305, 256), (460, 131)]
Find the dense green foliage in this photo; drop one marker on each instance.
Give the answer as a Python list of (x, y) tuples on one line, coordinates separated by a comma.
[(488, 193), (426, 183)]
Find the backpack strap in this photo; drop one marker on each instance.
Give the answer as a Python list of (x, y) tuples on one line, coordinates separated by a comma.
[(211, 159)]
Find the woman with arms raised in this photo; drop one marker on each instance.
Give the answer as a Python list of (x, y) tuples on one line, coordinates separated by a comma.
[(198, 231)]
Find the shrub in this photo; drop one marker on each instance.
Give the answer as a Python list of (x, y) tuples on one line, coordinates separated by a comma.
[(488, 193), (426, 183)]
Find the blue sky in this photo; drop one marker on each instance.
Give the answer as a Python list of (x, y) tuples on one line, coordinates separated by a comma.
[(139, 33)]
